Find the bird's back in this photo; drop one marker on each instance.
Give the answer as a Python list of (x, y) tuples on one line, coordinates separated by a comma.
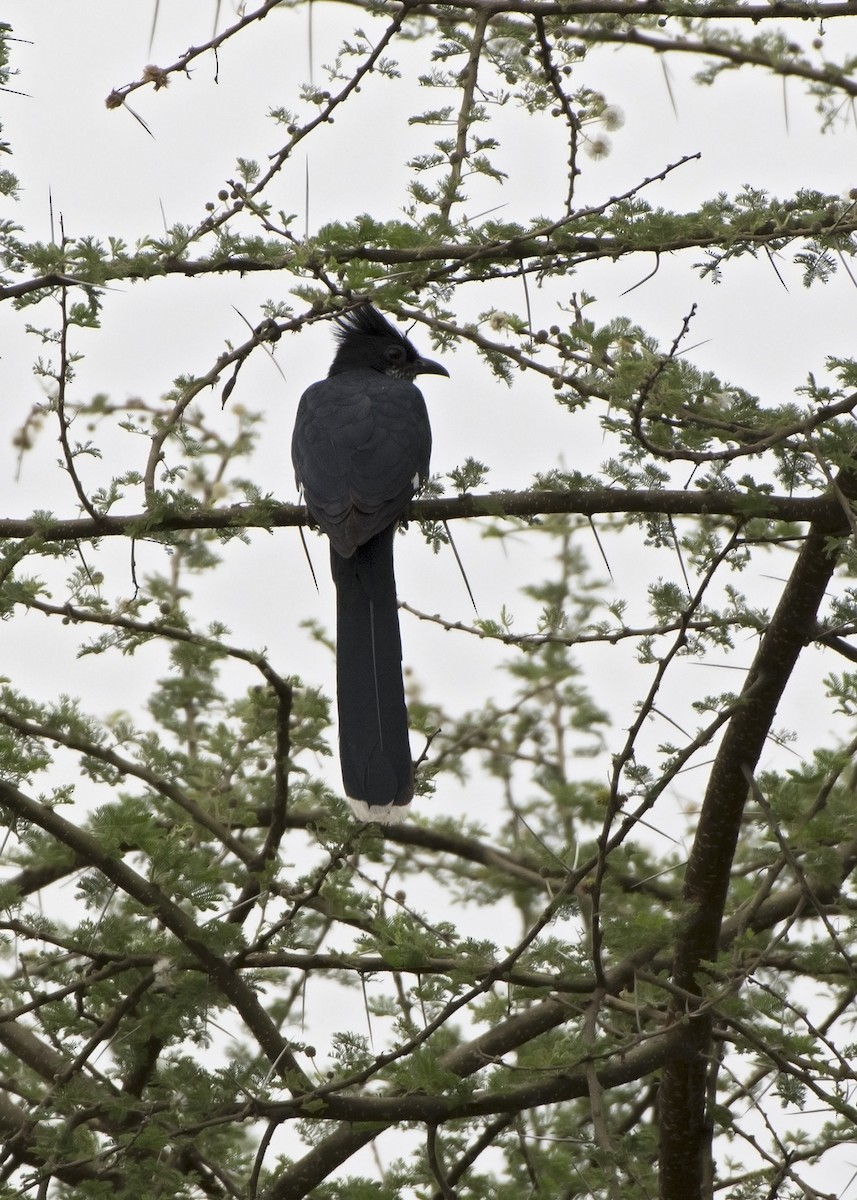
[(361, 447)]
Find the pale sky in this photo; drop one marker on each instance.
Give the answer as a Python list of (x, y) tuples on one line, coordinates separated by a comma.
[(105, 176)]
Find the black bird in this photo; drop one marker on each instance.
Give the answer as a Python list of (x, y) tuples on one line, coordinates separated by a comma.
[(361, 449)]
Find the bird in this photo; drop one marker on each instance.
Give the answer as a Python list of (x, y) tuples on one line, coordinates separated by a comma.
[(361, 449)]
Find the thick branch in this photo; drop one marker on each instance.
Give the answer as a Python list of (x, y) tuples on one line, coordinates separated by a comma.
[(685, 1131), (446, 257), (568, 1084), (739, 55), (242, 996), (728, 10), (582, 501)]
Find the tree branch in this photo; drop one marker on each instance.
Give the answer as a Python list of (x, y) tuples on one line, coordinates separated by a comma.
[(148, 894), (535, 244), (685, 1131), (581, 501)]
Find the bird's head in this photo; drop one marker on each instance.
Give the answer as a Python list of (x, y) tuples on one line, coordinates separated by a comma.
[(366, 340)]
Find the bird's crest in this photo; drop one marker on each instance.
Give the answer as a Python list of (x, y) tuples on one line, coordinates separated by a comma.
[(365, 320), (366, 340)]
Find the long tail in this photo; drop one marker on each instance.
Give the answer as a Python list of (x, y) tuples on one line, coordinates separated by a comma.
[(373, 720)]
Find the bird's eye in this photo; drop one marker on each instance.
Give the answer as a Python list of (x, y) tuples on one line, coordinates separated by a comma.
[(395, 354)]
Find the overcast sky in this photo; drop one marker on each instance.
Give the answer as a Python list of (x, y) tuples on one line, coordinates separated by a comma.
[(106, 176)]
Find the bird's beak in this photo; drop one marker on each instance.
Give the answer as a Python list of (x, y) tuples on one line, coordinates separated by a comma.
[(427, 366)]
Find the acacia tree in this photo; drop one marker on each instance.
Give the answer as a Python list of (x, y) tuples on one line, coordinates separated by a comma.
[(216, 982)]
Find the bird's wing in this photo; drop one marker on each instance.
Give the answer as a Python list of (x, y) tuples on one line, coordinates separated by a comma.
[(361, 446)]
